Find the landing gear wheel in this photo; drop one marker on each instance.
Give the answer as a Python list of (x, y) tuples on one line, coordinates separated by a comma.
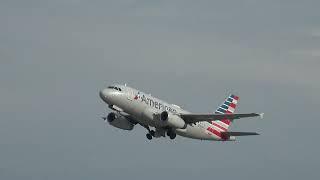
[(173, 135), (168, 133), (149, 136), (152, 132)]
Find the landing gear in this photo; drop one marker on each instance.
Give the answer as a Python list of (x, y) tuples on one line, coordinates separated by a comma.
[(152, 132), (160, 132), (149, 136), (171, 134)]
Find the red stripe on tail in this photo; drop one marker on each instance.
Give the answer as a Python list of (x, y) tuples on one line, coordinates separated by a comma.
[(217, 125), (236, 97), (226, 121), (233, 105), (215, 132)]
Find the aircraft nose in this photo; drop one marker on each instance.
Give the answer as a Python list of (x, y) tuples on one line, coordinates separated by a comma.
[(104, 94), (101, 94)]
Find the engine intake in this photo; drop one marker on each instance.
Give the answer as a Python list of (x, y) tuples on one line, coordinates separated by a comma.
[(111, 117), (172, 120), (164, 116)]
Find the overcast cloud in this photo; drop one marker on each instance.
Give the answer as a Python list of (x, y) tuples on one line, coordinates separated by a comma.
[(56, 55)]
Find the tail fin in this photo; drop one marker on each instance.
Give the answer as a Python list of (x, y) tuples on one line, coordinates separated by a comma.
[(227, 107)]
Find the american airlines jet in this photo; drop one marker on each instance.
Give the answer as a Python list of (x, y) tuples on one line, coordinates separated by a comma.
[(160, 118)]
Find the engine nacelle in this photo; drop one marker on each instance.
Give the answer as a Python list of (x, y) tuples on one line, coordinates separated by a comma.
[(119, 121), (172, 120)]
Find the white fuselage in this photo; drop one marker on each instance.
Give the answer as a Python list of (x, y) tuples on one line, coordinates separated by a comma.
[(142, 107)]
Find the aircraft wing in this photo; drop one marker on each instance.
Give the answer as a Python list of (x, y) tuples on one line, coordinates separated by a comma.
[(193, 118)]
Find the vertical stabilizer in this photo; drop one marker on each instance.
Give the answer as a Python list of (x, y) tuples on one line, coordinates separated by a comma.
[(227, 107)]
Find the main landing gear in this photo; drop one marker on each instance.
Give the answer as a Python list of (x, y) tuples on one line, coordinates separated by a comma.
[(171, 134), (158, 133)]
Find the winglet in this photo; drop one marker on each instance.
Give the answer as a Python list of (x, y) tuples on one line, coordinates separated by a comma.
[(261, 115)]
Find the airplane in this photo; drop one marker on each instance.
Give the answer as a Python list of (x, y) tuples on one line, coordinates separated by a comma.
[(131, 107)]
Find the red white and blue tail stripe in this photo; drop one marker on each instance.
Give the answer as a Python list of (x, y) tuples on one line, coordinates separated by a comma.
[(227, 107)]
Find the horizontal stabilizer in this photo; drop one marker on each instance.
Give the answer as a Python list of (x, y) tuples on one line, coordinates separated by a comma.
[(228, 134)]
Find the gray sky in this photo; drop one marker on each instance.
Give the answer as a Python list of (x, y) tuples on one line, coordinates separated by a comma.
[(56, 55)]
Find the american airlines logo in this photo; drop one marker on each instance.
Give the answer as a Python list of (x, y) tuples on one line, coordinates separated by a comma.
[(153, 103)]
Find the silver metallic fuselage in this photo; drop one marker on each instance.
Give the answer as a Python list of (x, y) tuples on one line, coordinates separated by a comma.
[(142, 106)]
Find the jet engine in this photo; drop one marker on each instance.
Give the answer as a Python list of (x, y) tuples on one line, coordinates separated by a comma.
[(172, 120), (119, 121)]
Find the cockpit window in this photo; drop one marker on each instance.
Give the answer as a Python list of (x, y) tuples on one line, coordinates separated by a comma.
[(113, 87)]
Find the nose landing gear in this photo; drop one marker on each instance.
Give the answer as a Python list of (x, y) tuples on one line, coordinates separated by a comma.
[(150, 134)]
